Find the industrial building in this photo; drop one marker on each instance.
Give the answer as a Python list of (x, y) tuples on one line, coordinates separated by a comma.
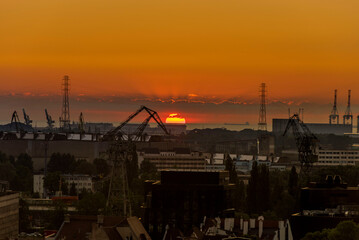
[(279, 125), (183, 198)]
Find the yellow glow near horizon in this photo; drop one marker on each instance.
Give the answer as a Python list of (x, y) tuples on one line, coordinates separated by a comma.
[(175, 118)]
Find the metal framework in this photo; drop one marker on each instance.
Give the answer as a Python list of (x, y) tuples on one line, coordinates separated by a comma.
[(65, 115), (15, 120), (27, 119), (348, 116), (262, 123), (305, 140), (334, 116), (117, 133), (119, 153), (50, 122)]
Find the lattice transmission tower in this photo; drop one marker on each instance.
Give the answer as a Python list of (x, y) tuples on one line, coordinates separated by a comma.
[(65, 115), (262, 123)]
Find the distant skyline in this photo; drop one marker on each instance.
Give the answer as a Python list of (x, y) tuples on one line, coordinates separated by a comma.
[(189, 52)]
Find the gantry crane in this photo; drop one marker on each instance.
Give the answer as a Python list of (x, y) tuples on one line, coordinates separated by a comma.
[(50, 122), (305, 140), (120, 151), (117, 133), (15, 120), (27, 119)]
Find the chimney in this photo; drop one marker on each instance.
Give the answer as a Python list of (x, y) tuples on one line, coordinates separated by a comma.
[(100, 219), (245, 228), (67, 218), (260, 226), (281, 230), (252, 223)]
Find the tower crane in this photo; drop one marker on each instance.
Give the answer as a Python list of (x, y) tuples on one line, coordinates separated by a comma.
[(50, 122), (305, 140), (28, 122)]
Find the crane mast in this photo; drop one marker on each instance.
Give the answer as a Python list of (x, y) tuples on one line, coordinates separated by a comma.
[(305, 140)]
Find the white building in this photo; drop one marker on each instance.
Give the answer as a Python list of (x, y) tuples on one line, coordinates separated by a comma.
[(337, 157), (38, 186), (81, 182)]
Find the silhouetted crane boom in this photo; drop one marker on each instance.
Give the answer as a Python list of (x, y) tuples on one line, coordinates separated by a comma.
[(305, 140), (118, 133), (50, 122)]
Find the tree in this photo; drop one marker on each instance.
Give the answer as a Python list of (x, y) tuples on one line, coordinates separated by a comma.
[(132, 168), (73, 191), (52, 182), (101, 166), (64, 163), (252, 189), (263, 190), (148, 170), (91, 204), (293, 182), (25, 160), (84, 167), (346, 230), (231, 168)]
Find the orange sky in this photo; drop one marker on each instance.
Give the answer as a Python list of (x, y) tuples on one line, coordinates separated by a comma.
[(301, 49)]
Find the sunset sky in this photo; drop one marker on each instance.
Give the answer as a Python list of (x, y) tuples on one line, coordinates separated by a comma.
[(202, 59)]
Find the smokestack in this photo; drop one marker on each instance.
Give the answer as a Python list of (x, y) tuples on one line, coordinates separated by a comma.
[(260, 226), (252, 223), (245, 228), (281, 230), (100, 219)]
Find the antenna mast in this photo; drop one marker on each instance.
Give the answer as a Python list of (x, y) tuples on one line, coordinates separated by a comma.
[(65, 115), (334, 116), (262, 124)]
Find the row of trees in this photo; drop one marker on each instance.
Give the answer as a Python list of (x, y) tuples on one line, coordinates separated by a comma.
[(273, 194), (346, 230), (17, 171)]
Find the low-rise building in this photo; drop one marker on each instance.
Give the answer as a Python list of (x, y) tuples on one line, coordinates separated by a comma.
[(101, 228), (81, 182), (9, 215), (337, 157), (178, 158)]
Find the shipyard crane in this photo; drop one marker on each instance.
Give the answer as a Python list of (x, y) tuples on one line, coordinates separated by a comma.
[(305, 140), (348, 116), (117, 133), (120, 152), (15, 121), (28, 122), (50, 122)]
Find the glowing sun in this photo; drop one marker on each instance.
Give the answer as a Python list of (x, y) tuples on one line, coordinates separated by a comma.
[(175, 118)]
